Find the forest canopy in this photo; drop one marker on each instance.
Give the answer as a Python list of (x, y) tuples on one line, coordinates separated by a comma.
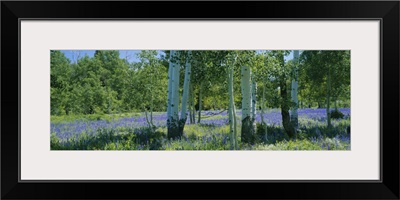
[(107, 83)]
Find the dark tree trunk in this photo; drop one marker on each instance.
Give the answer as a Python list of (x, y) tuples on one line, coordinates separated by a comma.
[(285, 109), (328, 99), (181, 127), (248, 130), (173, 129)]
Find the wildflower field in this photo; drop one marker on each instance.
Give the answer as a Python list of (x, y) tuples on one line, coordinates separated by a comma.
[(200, 99), (132, 132)]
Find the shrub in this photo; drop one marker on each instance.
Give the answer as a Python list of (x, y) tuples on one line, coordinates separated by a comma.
[(260, 131), (54, 142), (336, 114)]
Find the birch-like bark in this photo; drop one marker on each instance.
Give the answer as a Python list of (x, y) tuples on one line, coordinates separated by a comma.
[(169, 91), (235, 126), (191, 107), (262, 112), (199, 102), (185, 96), (253, 97), (294, 89), (246, 92), (175, 93), (232, 122), (151, 110), (262, 105), (173, 117), (247, 123)]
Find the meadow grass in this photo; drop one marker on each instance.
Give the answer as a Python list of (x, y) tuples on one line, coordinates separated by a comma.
[(91, 117), (129, 132)]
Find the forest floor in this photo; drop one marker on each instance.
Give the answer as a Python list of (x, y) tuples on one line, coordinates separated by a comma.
[(130, 131)]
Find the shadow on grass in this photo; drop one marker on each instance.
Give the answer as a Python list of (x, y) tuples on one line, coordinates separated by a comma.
[(275, 134), (146, 138)]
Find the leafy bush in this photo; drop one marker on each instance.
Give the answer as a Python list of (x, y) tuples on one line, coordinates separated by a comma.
[(54, 142), (336, 114), (261, 131)]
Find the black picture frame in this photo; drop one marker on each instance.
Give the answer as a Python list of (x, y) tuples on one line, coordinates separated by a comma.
[(386, 11)]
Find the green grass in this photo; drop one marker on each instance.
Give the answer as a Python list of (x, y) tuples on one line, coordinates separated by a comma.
[(91, 117), (203, 137), (312, 134)]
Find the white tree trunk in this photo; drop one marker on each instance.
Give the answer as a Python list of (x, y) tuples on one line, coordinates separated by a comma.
[(262, 105), (200, 90), (191, 106), (151, 103), (175, 93), (232, 122), (151, 110), (170, 78), (235, 126), (253, 97), (262, 112), (185, 96), (294, 114), (246, 92), (247, 121)]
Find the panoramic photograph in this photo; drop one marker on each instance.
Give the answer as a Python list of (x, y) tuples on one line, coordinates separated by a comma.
[(207, 100)]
